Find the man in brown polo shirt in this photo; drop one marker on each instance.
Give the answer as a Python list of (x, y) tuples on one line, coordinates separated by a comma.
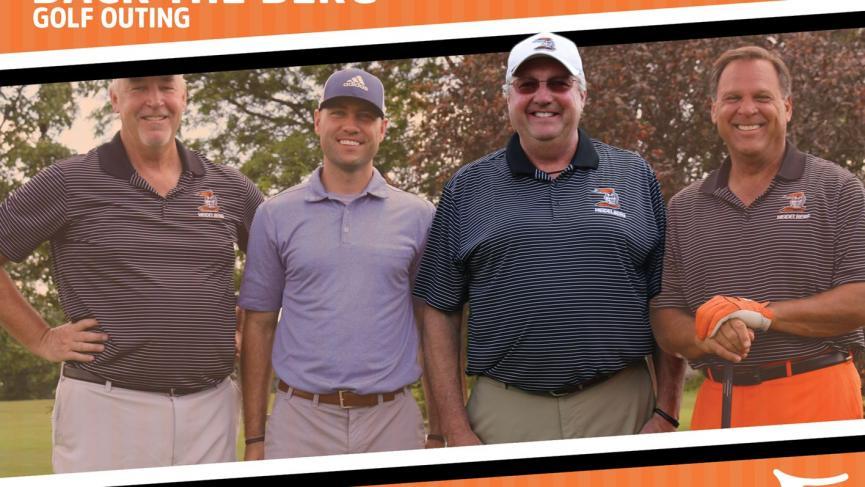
[(765, 263), (143, 233)]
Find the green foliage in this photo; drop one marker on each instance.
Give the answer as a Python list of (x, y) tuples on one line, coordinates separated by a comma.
[(30, 120), (693, 380), (262, 120), (653, 98), (467, 118)]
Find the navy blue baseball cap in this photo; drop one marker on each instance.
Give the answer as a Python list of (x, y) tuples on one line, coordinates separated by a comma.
[(354, 83)]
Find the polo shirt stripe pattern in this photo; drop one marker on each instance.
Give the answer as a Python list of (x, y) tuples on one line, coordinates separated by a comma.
[(156, 273), (558, 272), (803, 236)]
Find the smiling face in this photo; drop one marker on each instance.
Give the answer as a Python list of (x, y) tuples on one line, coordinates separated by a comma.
[(150, 110), (751, 112), (350, 131), (545, 117)]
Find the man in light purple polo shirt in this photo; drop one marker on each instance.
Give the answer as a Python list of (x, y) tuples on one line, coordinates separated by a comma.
[(337, 255)]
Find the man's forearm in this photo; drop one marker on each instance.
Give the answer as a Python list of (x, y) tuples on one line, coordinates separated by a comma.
[(17, 316), (429, 398), (441, 343), (830, 313), (674, 332), (670, 373), (255, 372)]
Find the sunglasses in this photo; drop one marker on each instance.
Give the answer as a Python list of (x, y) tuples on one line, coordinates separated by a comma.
[(527, 86)]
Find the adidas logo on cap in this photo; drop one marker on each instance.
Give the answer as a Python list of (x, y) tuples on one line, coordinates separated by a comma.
[(356, 82)]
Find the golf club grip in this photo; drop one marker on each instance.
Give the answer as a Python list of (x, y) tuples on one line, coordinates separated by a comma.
[(727, 396)]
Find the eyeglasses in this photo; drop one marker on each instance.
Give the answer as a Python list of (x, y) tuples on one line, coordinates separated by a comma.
[(527, 86)]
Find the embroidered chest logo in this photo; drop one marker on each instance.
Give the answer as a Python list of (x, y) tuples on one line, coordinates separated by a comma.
[(795, 208), (210, 206), (610, 203), (544, 43)]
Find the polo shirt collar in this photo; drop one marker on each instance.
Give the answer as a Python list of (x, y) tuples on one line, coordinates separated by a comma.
[(792, 168), (586, 157), (377, 186), (114, 160)]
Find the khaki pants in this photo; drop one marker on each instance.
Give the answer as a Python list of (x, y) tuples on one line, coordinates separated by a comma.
[(98, 427), (300, 427), (620, 405)]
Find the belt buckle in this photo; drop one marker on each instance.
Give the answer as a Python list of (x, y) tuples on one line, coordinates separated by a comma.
[(342, 399), (754, 376), (564, 392)]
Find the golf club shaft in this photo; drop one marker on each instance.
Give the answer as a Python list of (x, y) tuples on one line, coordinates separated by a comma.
[(727, 396)]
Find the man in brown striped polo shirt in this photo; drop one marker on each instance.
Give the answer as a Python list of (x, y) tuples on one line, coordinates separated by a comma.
[(765, 263), (143, 235)]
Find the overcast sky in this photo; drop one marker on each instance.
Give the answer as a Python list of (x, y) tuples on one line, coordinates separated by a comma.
[(80, 137)]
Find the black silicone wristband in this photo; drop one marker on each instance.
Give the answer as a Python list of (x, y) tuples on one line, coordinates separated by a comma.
[(673, 421), (254, 439)]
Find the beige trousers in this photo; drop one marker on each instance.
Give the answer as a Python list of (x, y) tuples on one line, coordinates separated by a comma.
[(98, 427), (620, 405), (300, 427)]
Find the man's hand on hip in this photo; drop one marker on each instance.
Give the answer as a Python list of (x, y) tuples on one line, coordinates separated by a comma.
[(71, 341)]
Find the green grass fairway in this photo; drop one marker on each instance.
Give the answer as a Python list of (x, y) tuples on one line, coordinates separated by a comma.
[(25, 435), (687, 409)]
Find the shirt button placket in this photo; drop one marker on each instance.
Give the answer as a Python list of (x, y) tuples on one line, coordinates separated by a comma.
[(345, 224), (554, 199)]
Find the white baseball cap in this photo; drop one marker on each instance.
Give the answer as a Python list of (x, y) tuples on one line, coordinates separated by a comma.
[(550, 45)]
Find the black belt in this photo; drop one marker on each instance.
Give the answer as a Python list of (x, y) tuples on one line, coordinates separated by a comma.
[(83, 375), (756, 374), (564, 390)]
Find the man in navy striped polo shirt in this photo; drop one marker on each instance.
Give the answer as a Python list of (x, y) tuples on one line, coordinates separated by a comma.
[(556, 242), (765, 263), (143, 233)]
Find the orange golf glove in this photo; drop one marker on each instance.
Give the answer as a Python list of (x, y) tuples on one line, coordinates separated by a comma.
[(716, 311)]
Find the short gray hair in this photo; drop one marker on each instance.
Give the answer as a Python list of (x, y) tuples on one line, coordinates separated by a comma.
[(112, 83)]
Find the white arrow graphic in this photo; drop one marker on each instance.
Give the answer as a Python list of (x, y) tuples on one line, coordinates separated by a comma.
[(788, 480)]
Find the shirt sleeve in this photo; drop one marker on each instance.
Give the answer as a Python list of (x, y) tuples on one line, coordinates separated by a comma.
[(655, 260), (32, 214), (442, 281), (264, 275), (253, 199), (849, 244), (426, 218), (671, 295)]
